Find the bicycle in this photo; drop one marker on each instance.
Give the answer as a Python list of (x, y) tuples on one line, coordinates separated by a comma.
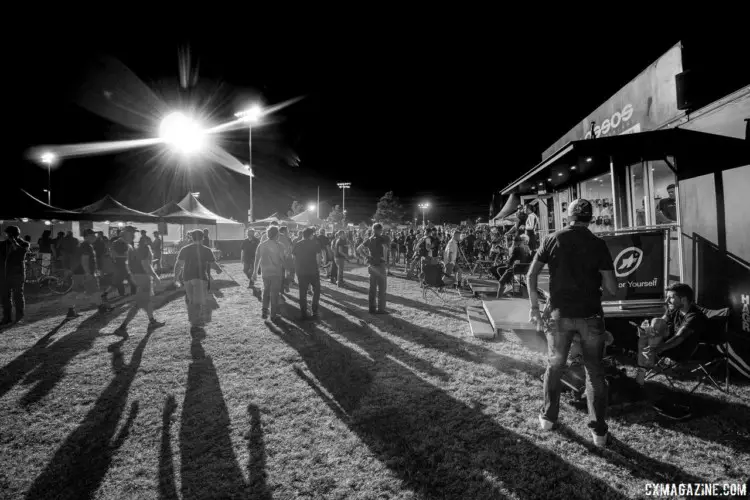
[(57, 281)]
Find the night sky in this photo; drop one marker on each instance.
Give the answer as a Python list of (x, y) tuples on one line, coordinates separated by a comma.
[(433, 117)]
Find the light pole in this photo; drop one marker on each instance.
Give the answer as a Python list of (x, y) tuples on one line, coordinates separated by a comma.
[(48, 159), (250, 116), (343, 186), (423, 206)]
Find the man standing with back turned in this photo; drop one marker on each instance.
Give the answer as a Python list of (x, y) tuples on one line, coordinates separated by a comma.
[(579, 264), (375, 249)]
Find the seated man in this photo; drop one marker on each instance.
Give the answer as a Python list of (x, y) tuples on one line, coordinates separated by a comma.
[(675, 335), (520, 254)]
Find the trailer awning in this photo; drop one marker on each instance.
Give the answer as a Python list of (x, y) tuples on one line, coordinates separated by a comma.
[(695, 153)]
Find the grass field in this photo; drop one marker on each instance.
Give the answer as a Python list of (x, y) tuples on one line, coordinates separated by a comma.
[(351, 407)]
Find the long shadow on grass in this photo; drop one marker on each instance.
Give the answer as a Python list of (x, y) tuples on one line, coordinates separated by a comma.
[(48, 365), (81, 462), (638, 464), (437, 445), (440, 310), (209, 466), (724, 423), (44, 362), (167, 487), (435, 339)]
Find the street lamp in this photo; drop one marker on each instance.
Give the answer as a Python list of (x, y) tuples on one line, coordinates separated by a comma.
[(250, 116), (343, 186), (48, 159), (311, 207), (423, 206)]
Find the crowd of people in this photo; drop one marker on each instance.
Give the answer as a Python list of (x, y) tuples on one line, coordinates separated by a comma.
[(97, 266)]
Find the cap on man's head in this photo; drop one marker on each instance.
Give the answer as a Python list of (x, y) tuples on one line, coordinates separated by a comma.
[(88, 232), (580, 210), (130, 229), (13, 231)]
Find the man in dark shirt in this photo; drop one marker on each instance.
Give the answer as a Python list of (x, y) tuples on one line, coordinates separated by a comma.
[(12, 273), (667, 208), (325, 248), (193, 270), (308, 274), (157, 248), (341, 255), (676, 334), (248, 249), (579, 264), (85, 282), (375, 250)]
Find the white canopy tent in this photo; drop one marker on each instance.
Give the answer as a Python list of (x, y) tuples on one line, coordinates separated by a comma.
[(224, 229)]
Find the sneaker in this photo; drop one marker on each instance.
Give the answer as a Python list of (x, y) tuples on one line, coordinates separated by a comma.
[(72, 314), (315, 316), (264, 315), (155, 323), (104, 308), (599, 440), (303, 316), (544, 424), (276, 320), (373, 311), (20, 320)]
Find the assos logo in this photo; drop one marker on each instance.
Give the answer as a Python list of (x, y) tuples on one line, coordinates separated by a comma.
[(628, 261)]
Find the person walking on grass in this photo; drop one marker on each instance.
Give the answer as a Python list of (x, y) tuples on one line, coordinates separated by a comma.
[(193, 270), (288, 273), (85, 282), (308, 273), (579, 266), (270, 258), (341, 256), (12, 273), (249, 247), (140, 263), (375, 250)]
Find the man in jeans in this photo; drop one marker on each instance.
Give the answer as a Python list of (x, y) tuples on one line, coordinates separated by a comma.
[(375, 250), (308, 272), (270, 258), (579, 264), (12, 273), (193, 269), (341, 255)]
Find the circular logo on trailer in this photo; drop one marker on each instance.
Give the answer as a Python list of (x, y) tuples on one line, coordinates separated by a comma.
[(628, 261)]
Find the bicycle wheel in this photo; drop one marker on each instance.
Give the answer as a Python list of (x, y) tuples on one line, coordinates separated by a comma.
[(59, 283)]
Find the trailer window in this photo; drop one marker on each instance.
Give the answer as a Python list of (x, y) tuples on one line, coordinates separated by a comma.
[(664, 192), (598, 191)]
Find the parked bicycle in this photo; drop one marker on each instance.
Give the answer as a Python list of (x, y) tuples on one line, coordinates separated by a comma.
[(57, 281)]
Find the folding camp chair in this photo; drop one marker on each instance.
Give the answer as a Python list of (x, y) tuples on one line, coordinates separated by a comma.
[(705, 359), (432, 280), (519, 277)]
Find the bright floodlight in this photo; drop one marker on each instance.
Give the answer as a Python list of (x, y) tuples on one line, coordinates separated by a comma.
[(48, 158), (250, 115), (182, 133), (311, 207)]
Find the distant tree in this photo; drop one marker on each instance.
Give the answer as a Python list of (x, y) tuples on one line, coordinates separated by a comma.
[(389, 210), (336, 216)]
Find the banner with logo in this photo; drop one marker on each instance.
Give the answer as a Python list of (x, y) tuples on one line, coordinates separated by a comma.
[(638, 260)]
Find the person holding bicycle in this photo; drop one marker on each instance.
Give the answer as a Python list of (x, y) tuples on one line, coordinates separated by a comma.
[(12, 273)]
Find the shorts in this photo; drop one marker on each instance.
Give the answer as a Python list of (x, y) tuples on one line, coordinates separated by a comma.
[(83, 284), (145, 289)]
